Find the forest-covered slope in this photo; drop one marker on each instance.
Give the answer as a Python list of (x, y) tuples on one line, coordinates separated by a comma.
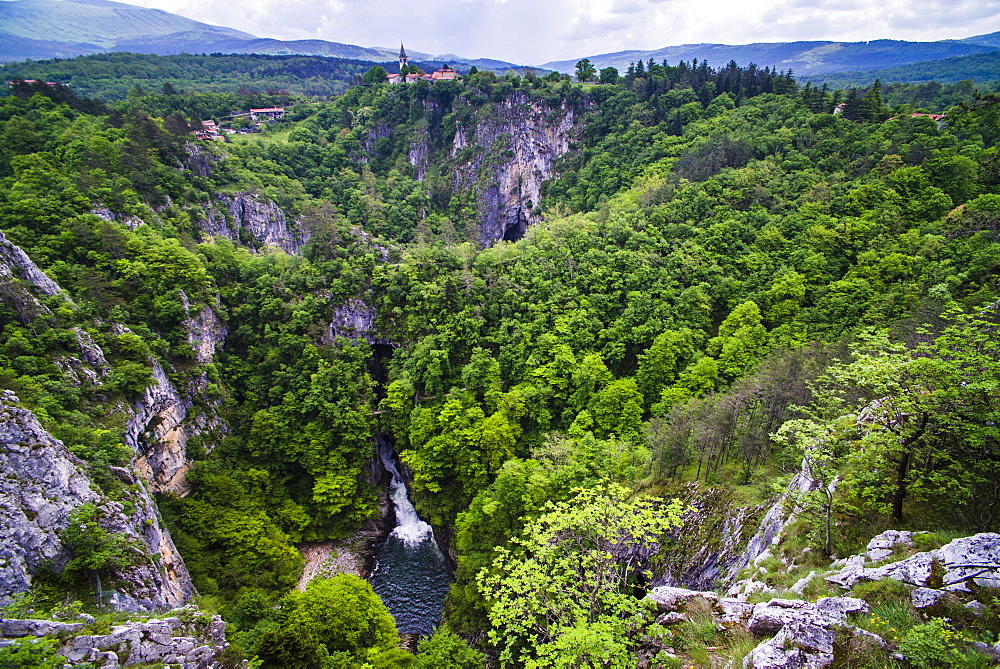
[(568, 304)]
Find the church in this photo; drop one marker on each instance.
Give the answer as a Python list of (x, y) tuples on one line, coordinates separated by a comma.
[(443, 74)]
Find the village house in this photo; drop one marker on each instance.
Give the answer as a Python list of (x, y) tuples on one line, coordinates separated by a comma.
[(209, 130), (267, 113)]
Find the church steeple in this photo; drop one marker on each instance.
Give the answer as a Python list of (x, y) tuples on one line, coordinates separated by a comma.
[(403, 60)]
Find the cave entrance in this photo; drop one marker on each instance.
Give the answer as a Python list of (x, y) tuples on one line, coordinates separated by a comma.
[(378, 367), (515, 231)]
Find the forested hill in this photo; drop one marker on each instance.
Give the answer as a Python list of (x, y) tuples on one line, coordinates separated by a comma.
[(110, 76), (567, 303)]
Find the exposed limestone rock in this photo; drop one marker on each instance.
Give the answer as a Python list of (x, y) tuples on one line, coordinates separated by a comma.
[(700, 559), (200, 159), (130, 222), (419, 154), (91, 352), (41, 483), (157, 434), (734, 610), (191, 639), (802, 583), (992, 652), (21, 282), (239, 214), (77, 372), (770, 617), (798, 644), (354, 320), (671, 618), (15, 262), (923, 598), (975, 558), (16, 629), (805, 631), (205, 332), (672, 599), (518, 145), (880, 547)]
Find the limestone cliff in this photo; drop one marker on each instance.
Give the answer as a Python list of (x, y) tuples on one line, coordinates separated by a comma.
[(517, 143), (247, 218), (41, 483), (163, 420), (22, 282)]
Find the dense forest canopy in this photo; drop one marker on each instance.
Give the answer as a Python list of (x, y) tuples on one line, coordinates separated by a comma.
[(726, 276)]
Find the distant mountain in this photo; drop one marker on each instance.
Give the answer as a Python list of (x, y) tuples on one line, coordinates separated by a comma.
[(803, 58), (981, 68), (40, 29), (992, 39), (97, 24)]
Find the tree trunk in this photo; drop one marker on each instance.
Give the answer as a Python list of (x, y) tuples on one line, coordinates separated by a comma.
[(902, 469)]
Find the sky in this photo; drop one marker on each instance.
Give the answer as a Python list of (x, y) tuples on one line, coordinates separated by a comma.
[(532, 32)]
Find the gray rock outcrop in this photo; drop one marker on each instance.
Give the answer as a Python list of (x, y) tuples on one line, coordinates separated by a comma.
[(518, 143), (969, 559), (41, 483), (205, 332), (22, 282), (190, 639), (668, 598), (798, 644), (804, 631), (248, 217), (159, 430)]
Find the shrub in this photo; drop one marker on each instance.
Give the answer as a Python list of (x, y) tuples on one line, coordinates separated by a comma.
[(933, 644)]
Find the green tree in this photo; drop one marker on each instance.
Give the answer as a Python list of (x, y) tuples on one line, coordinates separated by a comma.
[(376, 74), (561, 596), (342, 614), (446, 649), (585, 70), (925, 419), (741, 341)]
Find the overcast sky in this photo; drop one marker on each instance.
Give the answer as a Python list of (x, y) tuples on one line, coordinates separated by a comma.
[(535, 31)]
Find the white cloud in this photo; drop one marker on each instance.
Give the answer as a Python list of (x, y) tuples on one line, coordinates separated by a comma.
[(535, 31)]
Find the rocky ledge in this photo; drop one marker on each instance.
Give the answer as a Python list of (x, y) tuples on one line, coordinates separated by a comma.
[(189, 638), (803, 633)]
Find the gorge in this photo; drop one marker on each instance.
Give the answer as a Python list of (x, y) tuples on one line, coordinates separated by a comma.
[(503, 307)]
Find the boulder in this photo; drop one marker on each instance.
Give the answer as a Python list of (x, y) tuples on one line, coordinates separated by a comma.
[(880, 547), (734, 610), (668, 598), (923, 598), (798, 644), (826, 612)]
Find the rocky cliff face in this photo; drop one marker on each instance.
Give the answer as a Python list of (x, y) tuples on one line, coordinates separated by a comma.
[(518, 145), (22, 282), (41, 483), (719, 540), (248, 218), (189, 639)]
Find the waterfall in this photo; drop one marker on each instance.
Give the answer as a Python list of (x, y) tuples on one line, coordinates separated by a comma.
[(409, 528), (411, 574)]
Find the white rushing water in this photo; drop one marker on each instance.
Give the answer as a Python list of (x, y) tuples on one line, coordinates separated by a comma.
[(411, 574), (410, 529)]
